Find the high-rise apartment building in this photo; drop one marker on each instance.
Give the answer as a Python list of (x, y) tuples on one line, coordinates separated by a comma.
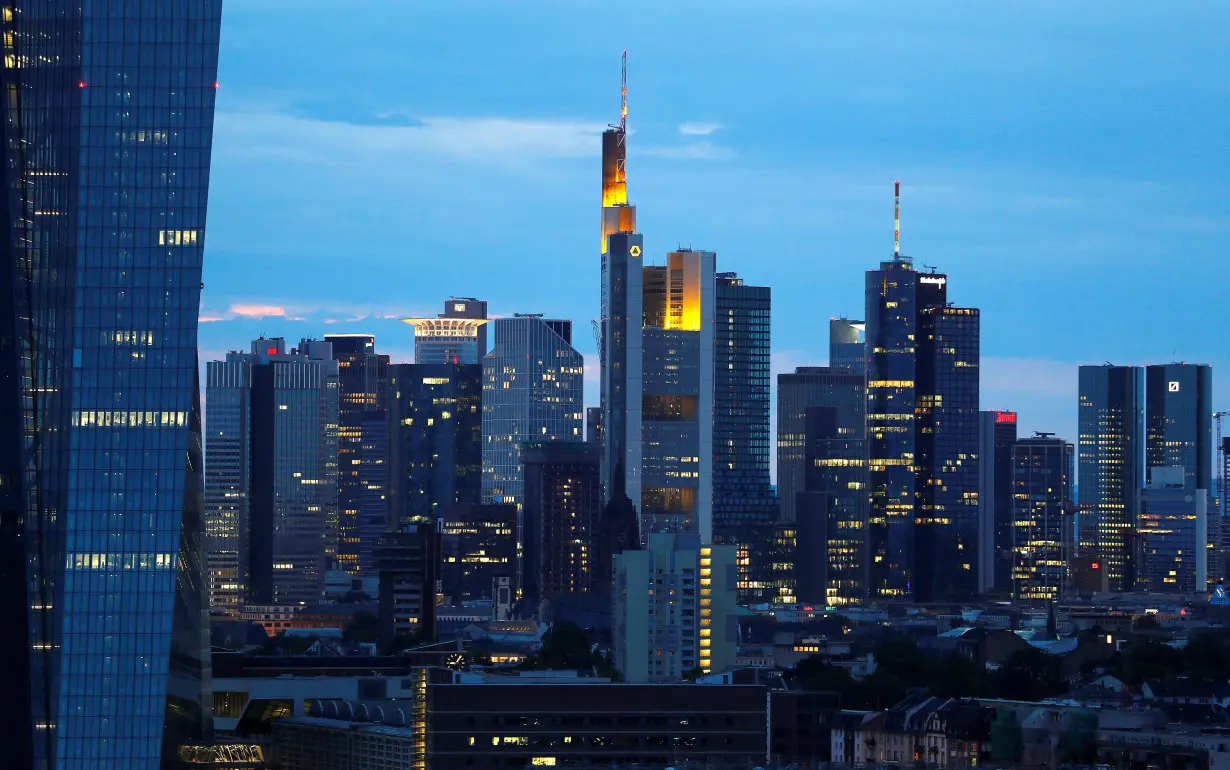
[(435, 446), (271, 480), (456, 336), (102, 592), (830, 560), (797, 391), (363, 450), (1173, 533), (674, 608), (561, 509), (1110, 465), (532, 391), (847, 345), (946, 453), (1041, 489), (744, 505), (996, 435)]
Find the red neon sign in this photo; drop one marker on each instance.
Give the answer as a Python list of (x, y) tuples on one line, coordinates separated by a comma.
[(1006, 417), (272, 351)]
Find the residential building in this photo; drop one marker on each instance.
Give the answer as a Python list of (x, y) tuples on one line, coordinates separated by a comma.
[(797, 391), (847, 345), (458, 336), (479, 548), (1110, 465), (408, 563), (363, 449), (996, 435), (831, 567), (272, 476), (674, 608), (1041, 530), (436, 448), (744, 505), (946, 528), (560, 512), (101, 521)]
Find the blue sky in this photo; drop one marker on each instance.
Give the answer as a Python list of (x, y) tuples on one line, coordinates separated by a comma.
[(1065, 163)]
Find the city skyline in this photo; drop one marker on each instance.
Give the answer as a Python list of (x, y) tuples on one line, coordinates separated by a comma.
[(798, 197)]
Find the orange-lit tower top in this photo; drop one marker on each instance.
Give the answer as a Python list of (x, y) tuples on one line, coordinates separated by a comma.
[(897, 218), (615, 166)]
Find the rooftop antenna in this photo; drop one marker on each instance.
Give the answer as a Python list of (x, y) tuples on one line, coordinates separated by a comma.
[(897, 218), (623, 93)]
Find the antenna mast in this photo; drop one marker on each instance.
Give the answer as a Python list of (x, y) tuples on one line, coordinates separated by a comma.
[(897, 218), (623, 93)]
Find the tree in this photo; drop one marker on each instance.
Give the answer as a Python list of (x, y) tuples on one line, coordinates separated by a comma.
[(956, 676), (1080, 746), (1146, 623), (363, 627), (1149, 660), (813, 673), (1207, 656), (1029, 674), (898, 654), (1007, 746)]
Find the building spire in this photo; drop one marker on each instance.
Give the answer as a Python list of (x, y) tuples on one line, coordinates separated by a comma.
[(623, 93), (897, 218)]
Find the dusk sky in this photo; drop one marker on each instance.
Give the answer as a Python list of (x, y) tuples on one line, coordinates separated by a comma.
[(1066, 163)]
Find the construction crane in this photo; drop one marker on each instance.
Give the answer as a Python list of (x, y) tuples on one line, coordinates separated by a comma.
[(1221, 465)]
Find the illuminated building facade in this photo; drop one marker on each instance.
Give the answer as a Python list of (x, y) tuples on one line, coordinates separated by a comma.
[(272, 475), (435, 447), (1179, 421), (1041, 488), (479, 548), (532, 391), (847, 345), (744, 505), (102, 578), (996, 435), (674, 607), (561, 512), (456, 336), (892, 328), (831, 566), (363, 450), (1110, 465), (1173, 526), (946, 453)]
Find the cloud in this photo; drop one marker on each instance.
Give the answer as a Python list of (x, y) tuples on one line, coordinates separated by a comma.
[(698, 129), (258, 311), (493, 141), (332, 312)]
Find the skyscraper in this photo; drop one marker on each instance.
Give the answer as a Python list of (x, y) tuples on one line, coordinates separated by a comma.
[(1041, 488), (744, 506), (271, 481), (1173, 532), (436, 446), (1110, 467), (102, 593), (797, 391), (1179, 421), (480, 549), (997, 434), (363, 449), (456, 336), (946, 453), (561, 510), (532, 391), (831, 510), (847, 346)]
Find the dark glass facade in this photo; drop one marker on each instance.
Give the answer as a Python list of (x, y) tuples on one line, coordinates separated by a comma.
[(744, 505), (847, 347), (436, 448), (997, 434), (108, 134), (621, 341), (363, 449), (561, 512), (479, 545), (1041, 488), (1179, 421), (831, 566), (408, 566), (946, 421), (1110, 465), (892, 326)]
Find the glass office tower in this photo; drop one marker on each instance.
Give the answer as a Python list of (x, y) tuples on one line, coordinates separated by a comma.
[(1110, 466), (108, 133), (1041, 484), (996, 435), (1179, 421), (456, 336), (946, 420), (847, 346), (362, 451)]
